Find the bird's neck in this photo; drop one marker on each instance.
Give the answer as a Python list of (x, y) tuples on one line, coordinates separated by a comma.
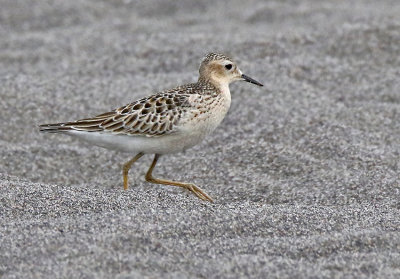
[(220, 85)]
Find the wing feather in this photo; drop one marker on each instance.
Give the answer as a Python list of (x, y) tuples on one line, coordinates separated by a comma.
[(152, 116)]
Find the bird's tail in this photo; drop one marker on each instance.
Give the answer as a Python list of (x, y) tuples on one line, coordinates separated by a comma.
[(54, 128)]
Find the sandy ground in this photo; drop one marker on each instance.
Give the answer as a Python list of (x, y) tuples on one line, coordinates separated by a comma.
[(304, 171)]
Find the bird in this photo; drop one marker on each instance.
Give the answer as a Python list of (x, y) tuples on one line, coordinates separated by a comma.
[(167, 122)]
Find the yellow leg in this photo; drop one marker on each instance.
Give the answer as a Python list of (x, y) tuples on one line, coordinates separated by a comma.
[(189, 186), (127, 167)]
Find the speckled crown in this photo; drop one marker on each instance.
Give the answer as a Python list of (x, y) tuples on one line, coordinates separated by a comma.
[(215, 56)]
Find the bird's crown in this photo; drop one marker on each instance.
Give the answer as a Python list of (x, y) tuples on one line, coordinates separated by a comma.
[(212, 56)]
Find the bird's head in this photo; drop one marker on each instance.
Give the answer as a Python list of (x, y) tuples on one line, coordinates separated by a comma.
[(220, 69)]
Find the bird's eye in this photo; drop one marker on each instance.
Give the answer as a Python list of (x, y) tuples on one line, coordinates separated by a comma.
[(228, 66)]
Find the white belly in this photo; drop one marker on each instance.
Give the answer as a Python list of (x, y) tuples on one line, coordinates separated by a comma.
[(134, 144)]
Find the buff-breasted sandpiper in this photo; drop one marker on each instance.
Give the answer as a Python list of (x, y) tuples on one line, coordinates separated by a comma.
[(167, 122)]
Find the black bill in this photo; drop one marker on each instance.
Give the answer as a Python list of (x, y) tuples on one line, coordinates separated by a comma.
[(249, 79)]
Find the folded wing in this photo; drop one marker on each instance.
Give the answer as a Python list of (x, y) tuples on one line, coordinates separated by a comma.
[(152, 116)]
